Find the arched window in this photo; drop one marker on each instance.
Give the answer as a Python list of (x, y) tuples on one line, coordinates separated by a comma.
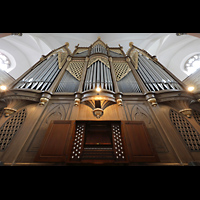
[(192, 64), (4, 62)]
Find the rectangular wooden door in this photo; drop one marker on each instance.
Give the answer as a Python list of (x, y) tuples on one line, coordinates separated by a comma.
[(55, 145), (139, 146)]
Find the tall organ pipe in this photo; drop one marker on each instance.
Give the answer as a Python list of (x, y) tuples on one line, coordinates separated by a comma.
[(42, 76), (40, 69), (154, 77), (102, 78), (149, 76), (98, 75)]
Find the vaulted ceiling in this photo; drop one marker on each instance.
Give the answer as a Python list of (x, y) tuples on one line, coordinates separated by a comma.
[(171, 50)]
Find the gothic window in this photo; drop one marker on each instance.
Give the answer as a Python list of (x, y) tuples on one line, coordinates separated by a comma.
[(190, 136)]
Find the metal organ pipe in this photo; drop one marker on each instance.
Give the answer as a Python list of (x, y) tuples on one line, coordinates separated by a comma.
[(98, 49), (105, 79), (102, 73), (159, 77), (98, 75), (109, 80), (52, 77), (86, 80), (171, 82), (45, 74), (94, 75), (91, 76), (43, 68), (154, 77), (144, 77), (35, 73), (148, 75), (42, 76)]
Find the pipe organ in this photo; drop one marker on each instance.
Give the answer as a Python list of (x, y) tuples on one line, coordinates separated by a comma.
[(98, 105)]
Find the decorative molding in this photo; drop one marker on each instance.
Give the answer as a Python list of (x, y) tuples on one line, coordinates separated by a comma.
[(62, 51), (100, 58), (134, 57), (75, 68), (139, 112), (54, 111), (121, 69), (9, 111), (18, 97), (61, 58), (98, 112), (99, 41), (13, 105), (186, 112), (43, 101), (116, 51), (119, 102), (153, 101), (77, 101)]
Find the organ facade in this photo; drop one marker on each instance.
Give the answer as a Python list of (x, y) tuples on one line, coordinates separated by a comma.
[(98, 105)]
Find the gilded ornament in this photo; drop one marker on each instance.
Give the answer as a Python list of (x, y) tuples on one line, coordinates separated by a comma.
[(43, 101), (130, 44), (153, 101), (98, 112)]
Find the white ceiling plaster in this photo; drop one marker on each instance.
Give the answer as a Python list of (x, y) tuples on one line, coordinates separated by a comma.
[(170, 49)]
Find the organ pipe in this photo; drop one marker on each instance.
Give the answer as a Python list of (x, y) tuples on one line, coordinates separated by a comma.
[(42, 76), (154, 77), (145, 73), (98, 75)]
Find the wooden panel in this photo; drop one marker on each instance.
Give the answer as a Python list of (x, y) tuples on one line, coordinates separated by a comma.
[(55, 144), (98, 133), (138, 142)]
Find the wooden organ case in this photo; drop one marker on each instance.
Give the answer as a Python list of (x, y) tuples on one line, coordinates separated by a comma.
[(99, 105), (97, 142)]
